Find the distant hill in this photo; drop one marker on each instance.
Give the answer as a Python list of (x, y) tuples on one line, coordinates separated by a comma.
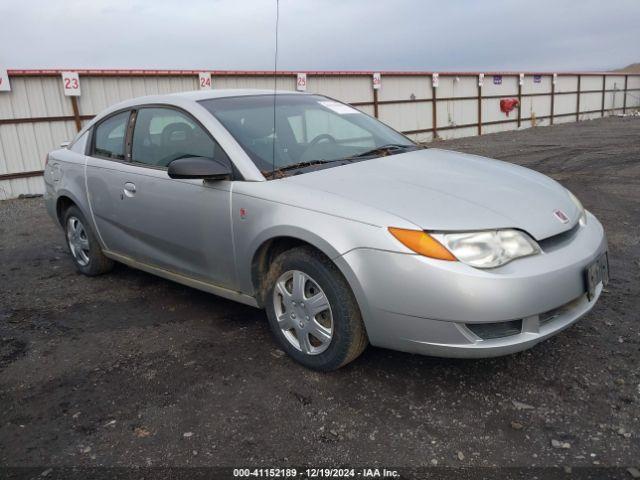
[(633, 68)]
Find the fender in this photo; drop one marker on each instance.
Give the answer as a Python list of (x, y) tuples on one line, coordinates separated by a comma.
[(84, 208), (63, 192), (244, 262)]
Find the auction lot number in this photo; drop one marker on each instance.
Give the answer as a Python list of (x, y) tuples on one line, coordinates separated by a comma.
[(314, 473)]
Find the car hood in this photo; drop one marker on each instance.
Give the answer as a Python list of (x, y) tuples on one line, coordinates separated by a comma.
[(441, 190)]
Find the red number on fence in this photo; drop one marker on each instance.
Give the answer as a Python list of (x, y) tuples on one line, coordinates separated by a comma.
[(71, 83), (205, 82)]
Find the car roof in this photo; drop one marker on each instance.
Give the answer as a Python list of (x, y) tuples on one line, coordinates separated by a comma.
[(182, 98), (198, 95)]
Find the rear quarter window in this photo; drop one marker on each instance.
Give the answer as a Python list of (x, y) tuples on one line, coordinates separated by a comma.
[(80, 144), (110, 136)]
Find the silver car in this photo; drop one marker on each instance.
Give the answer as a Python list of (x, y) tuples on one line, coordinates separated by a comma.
[(344, 230)]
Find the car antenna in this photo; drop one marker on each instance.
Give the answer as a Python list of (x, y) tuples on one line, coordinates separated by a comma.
[(275, 85)]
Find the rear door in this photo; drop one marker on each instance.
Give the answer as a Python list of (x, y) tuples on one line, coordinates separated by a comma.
[(179, 225), (105, 161)]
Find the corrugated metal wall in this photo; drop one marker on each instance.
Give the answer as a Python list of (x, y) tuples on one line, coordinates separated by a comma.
[(36, 116)]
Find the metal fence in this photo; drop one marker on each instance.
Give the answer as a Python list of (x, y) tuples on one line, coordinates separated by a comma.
[(36, 115)]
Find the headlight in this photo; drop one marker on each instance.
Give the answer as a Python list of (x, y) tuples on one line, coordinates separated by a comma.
[(583, 212), (421, 242), (486, 249), (490, 248)]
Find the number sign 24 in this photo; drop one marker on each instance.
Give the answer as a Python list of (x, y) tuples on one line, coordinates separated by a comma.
[(204, 80)]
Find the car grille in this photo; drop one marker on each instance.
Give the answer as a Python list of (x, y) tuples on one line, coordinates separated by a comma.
[(487, 331), (551, 315)]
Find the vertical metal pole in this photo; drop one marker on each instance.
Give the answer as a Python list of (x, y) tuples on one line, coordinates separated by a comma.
[(553, 99), (434, 110), (479, 109), (375, 102), (578, 102), (76, 113), (519, 102), (624, 98), (604, 84)]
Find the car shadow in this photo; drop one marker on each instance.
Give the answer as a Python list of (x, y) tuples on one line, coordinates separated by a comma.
[(240, 324)]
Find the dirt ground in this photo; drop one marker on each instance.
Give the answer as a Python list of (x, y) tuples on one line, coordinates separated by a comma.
[(131, 370)]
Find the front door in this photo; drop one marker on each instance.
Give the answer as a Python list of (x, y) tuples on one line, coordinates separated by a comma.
[(183, 226)]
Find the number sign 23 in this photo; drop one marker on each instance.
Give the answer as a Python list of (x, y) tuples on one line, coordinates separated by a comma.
[(71, 84)]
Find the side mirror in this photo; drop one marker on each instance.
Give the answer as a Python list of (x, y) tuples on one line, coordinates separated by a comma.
[(199, 167)]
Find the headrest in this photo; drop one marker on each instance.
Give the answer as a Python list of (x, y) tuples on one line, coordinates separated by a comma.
[(176, 132)]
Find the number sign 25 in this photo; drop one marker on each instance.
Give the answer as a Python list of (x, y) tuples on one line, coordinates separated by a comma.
[(301, 84), (71, 84)]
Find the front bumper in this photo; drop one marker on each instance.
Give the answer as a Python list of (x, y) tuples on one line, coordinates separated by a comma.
[(421, 305)]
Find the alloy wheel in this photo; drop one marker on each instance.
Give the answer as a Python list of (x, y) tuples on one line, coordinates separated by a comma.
[(78, 241)]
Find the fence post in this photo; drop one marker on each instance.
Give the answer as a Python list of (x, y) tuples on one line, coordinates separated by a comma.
[(578, 101), (553, 99), (624, 97), (519, 101), (604, 83), (76, 113), (434, 114), (375, 102), (479, 109)]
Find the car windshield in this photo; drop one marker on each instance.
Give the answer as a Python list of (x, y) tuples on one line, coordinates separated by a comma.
[(312, 131)]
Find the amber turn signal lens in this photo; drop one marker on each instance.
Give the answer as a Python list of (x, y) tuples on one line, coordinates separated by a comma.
[(422, 243)]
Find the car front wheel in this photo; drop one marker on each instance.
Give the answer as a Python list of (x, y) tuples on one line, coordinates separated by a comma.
[(312, 311)]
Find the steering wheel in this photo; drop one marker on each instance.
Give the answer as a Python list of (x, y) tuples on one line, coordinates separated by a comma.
[(319, 138)]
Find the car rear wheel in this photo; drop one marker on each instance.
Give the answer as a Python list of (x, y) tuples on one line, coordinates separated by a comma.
[(84, 247), (312, 311)]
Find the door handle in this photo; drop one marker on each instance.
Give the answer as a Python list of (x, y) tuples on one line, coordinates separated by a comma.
[(129, 189)]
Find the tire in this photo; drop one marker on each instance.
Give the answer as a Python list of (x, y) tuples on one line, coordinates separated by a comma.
[(83, 244), (324, 334)]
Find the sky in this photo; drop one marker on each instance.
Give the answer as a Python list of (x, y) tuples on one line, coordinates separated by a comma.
[(455, 35)]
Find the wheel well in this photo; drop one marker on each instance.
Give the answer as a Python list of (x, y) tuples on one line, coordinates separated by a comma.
[(266, 254), (62, 205)]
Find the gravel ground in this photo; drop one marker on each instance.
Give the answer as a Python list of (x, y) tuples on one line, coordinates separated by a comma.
[(131, 370)]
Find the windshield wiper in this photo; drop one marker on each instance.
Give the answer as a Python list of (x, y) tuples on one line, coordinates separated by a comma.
[(296, 166), (385, 150)]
